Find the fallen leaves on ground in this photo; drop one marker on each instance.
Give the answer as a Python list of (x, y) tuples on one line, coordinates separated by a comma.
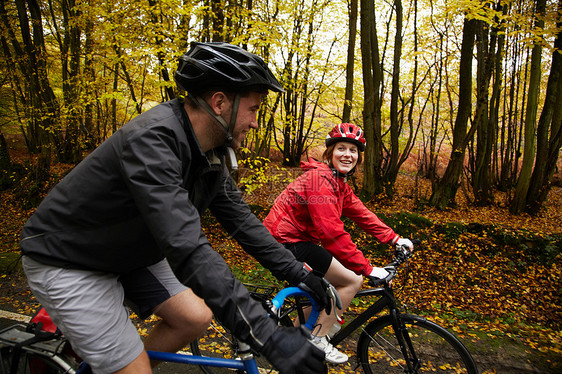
[(468, 284)]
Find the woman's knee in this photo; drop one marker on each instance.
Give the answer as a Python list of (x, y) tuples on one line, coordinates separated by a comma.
[(353, 282), (340, 276), (358, 281)]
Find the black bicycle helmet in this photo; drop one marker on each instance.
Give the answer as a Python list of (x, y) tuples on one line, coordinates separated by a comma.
[(208, 66)]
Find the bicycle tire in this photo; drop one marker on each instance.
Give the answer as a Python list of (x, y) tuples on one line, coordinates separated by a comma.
[(437, 349), (33, 363), (217, 341)]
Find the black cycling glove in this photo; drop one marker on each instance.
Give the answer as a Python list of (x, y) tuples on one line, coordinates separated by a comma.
[(317, 287), (290, 352)]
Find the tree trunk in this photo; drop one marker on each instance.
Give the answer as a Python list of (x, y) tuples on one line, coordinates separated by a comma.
[(5, 160), (298, 103), (32, 63), (168, 90), (428, 165), (372, 76), (266, 115), (391, 173), (495, 101), (267, 127), (348, 101), (444, 192), (217, 16), (68, 135), (518, 204), (547, 150), (89, 76), (482, 182), (128, 79), (113, 99), (412, 134), (509, 125)]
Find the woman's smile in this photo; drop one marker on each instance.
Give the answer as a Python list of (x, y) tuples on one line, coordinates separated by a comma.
[(345, 157)]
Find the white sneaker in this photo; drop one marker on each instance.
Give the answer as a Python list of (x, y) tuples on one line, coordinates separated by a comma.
[(332, 354)]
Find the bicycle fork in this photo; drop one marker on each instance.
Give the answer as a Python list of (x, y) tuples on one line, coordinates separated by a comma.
[(403, 336), (245, 354)]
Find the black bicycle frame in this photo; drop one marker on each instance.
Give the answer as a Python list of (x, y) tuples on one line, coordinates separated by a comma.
[(401, 332), (387, 299)]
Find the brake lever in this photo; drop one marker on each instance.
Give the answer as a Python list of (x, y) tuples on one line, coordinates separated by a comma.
[(333, 294), (401, 254), (404, 252), (336, 300)]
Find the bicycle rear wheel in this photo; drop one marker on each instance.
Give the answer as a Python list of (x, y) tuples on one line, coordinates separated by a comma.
[(436, 349), (217, 341), (33, 363)]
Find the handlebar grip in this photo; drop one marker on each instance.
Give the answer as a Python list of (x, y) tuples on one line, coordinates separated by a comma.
[(279, 299), (376, 282)]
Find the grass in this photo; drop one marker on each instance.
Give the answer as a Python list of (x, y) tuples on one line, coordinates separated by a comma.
[(9, 262)]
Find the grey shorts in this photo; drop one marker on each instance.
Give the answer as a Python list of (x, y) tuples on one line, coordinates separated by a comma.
[(89, 309)]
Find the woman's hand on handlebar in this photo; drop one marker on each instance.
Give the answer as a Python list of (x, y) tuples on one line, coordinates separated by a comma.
[(403, 251), (379, 273), (405, 242), (381, 276)]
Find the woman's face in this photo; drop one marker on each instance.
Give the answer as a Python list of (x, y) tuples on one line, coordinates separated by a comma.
[(345, 157)]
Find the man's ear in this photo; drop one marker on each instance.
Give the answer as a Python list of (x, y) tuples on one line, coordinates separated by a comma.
[(218, 102)]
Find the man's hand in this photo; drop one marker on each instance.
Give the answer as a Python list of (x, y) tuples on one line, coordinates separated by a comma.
[(290, 352), (317, 287)]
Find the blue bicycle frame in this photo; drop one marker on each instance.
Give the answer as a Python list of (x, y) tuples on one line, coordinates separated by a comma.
[(248, 365), (247, 362)]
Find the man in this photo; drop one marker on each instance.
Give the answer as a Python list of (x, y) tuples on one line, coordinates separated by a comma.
[(113, 227)]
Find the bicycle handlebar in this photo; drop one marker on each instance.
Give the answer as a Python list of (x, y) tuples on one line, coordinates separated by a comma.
[(401, 254), (279, 299)]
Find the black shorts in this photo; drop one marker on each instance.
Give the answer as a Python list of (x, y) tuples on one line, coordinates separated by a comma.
[(317, 257), (147, 287)]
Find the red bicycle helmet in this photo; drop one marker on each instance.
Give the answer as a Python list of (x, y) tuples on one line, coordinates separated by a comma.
[(347, 132)]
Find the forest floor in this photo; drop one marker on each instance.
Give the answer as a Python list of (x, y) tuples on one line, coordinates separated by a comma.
[(491, 277)]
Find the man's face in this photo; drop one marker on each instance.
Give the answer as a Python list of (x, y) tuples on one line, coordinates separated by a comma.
[(246, 118)]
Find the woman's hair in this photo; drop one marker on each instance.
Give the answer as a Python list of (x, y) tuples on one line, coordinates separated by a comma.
[(329, 152)]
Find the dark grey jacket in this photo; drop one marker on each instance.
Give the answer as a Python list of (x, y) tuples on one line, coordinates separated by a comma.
[(139, 198)]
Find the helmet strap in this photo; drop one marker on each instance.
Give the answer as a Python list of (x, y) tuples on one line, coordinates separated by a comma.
[(337, 174), (221, 121), (234, 115)]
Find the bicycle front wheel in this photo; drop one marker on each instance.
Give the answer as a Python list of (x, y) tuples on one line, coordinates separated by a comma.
[(433, 348), (217, 341)]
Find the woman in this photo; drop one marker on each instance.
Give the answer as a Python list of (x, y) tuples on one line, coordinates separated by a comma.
[(308, 213)]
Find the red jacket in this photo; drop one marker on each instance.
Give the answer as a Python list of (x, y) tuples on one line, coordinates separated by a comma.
[(310, 210)]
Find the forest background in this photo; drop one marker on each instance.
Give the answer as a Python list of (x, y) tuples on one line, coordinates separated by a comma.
[(461, 102)]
